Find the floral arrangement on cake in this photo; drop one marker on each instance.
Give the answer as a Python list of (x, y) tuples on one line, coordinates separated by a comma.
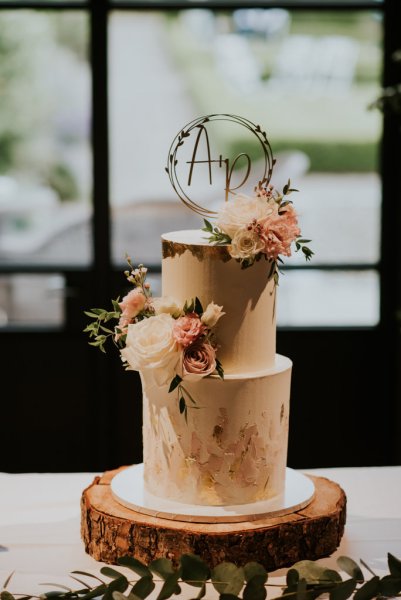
[(261, 226), (170, 343)]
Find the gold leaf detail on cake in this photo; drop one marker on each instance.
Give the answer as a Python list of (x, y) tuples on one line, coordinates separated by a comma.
[(171, 249)]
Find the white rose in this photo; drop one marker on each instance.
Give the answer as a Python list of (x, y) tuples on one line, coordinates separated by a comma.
[(168, 305), (246, 244), (212, 314), (150, 345), (240, 211)]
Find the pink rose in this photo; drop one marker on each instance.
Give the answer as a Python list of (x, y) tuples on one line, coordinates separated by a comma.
[(131, 305), (277, 232), (187, 329), (199, 360)]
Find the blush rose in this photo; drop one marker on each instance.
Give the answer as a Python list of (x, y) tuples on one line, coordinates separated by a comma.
[(198, 361), (187, 329)]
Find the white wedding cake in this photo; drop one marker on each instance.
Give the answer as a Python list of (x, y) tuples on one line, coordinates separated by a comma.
[(215, 393), (232, 447)]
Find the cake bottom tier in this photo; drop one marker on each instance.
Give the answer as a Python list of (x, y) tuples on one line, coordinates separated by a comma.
[(230, 447)]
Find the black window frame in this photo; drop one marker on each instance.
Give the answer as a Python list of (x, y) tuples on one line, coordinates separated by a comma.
[(104, 272)]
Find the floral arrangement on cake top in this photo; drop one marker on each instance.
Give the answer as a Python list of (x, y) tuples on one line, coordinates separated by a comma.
[(264, 225), (169, 343)]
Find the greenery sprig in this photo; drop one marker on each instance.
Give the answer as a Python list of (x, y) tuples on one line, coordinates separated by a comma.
[(305, 580)]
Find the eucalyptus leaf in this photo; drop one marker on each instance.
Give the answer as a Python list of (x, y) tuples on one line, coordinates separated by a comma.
[(182, 406), (292, 577), (253, 569), (109, 572), (349, 566), (120, 596), (343, 590), (58, 585), (255, 588), (81, 582), (52, 594), (314, 573), (301, 589), (7, 581), (144, 587), (97, 591), (227, 578), (193, 570), (162, 567), (228, 597), (390, 586), (116, 585), (4, 595), (135, 565), (170, 586), (369, 590), (394, 565)]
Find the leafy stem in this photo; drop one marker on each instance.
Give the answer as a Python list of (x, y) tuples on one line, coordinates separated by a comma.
[(305, 580)]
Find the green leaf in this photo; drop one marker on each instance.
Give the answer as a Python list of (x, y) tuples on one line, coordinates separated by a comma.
[(349, 566), (343, 590), (117, 585), (314, 573), (162, 567), (86, 586), (255, 588), (227, 578), (208, 226), (228, 597), (369, 590), (302, 589), (135, 565), (58, 585), (194, 571), (219, 369), (253, 569), (394, 565), (390, 586), (7, 581), (175, 382), (109, 572), (97, 591), (4, 595), (292, 578), (170, 586), (286, 188), (198, 307), (144, 587)]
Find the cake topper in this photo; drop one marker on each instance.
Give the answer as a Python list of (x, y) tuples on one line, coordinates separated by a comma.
[(198, 129)]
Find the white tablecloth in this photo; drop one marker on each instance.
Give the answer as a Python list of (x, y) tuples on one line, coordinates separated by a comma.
[(40, 523)]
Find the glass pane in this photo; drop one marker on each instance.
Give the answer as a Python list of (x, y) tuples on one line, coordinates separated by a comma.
[(307, 77), (322, 298), (32, 300), (45, 158)]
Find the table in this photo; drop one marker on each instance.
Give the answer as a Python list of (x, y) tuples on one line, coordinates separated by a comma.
[(40, 523)]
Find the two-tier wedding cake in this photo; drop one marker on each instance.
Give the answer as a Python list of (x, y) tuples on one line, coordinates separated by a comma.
[(215, 393), (232, 447)]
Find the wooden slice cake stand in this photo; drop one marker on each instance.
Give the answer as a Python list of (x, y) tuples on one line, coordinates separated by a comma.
[(109, 531)]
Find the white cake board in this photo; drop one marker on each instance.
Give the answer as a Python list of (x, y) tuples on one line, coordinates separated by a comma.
[(127, 488)]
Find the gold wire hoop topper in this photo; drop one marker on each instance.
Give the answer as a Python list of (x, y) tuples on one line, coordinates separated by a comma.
[(199, 126)]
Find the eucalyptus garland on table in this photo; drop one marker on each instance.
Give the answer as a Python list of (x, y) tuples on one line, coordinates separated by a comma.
[(305, 580)]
